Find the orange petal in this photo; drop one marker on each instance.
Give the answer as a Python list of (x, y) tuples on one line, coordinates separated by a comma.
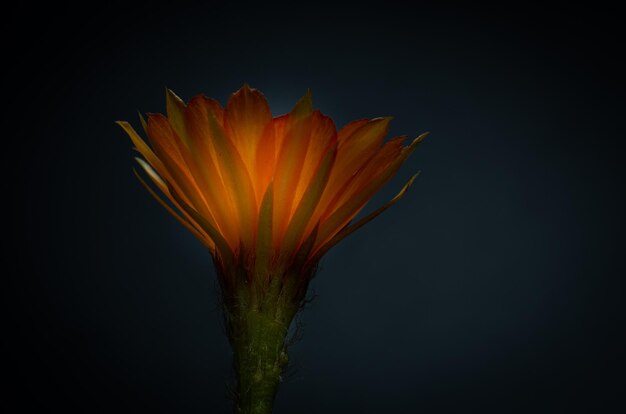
[(147, 152), (360, 142), (346, 231), (281, 125), (167, 146), (246, 117), (236, 180), (206, 162), (289, 164), (323, 135), (378, 162), (188, 224), (142, 147), (265, 159), (264, 235), (302, 215), (164, 143), (370, 179), (350, 127), (176, 114), (226, 254), (197, 125)]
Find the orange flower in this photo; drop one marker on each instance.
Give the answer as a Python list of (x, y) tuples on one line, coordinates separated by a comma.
[(268, 196), (266, 190)]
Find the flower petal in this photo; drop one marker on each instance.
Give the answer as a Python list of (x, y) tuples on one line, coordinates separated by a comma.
[(141, 146), (289, 164), (356, 149), (144, 124), (323, 135), (236, 180), (371, 179), (246, 117), (350, 127), (302, 216), (347, 230), (146, 151), (167, 146), (265, 159), (226, 253), (264, 235), (189, 225), (176, 115), (359, 146), (208, 172)]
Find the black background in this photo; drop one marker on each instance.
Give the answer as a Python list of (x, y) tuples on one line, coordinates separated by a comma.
[(494, 286)]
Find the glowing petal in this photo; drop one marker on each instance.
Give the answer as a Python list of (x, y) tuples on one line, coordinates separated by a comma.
[(246, 117), (236, 180), (264, 234), (346, 231), (226, 253), (188, 225), (323, 136), (206, 161), (163, 187), (307, 205), (176, 115), (147, 152), (141, 146), (289, 164), (166, 145), (350, 127), (359, 142), (356, 200)]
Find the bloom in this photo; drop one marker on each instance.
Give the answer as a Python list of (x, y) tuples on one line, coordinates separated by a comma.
[(268, 196), (266, 190)]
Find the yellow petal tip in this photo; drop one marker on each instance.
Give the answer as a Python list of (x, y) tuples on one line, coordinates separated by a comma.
[(410, 182), (423, 136), (171, 96)]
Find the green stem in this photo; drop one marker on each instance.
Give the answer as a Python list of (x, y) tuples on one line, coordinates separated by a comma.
[(258, 332)]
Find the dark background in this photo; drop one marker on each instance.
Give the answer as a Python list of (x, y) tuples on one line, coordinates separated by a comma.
[(494, 286)]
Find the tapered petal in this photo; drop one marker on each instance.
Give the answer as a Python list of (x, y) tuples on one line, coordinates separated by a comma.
[(372, 178), (359, 142), (220, 243), (307, 204), (147, 152), (245, 120), (142, 147), (176, 115), (236, 180), (289, 164), (188, 224), (350, 127), (206, 161), (166, 144), (347, 230), (323, 138), (144, 124)]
